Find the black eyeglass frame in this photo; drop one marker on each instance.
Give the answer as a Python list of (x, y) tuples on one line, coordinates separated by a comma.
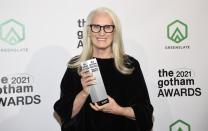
[(101, 27)]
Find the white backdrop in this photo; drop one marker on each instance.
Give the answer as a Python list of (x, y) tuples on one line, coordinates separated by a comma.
[(38, 37)]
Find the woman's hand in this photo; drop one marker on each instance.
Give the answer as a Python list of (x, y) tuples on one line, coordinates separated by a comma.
[(87, 80), (111, 107)]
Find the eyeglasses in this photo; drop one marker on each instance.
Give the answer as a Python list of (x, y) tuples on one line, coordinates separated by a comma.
[(97, 28)]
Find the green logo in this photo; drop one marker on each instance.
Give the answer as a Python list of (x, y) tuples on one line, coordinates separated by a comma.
[(177, 31), (180, 125), (12, 32)]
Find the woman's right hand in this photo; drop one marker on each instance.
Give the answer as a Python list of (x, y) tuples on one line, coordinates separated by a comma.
[(87, 80)]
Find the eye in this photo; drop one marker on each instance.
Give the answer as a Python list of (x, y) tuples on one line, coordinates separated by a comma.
[(107, 26), (96, 26)]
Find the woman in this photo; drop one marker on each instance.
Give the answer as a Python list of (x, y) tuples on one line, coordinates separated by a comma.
[(129, 106)]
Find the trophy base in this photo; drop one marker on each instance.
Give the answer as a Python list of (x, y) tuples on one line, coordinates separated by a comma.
[(100, 103)]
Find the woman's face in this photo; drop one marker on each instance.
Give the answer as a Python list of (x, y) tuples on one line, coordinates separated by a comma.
[(101, 40)]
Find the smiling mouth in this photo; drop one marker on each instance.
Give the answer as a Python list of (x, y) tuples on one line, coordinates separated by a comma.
[(101, 39)]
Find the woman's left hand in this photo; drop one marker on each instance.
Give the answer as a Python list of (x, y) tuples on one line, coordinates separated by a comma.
[(111, 107)]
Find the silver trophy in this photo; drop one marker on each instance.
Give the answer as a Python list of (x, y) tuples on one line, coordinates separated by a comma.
[(97, 92)]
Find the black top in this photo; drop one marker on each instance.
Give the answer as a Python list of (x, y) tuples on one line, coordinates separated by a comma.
[(126, 90)]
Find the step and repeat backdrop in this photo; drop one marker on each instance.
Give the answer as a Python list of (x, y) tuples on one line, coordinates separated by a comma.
[(39, 37)]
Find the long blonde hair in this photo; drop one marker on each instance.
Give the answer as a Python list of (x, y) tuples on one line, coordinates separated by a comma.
[(117, 45)]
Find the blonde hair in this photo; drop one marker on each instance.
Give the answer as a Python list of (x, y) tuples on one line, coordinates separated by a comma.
[(120, 58)]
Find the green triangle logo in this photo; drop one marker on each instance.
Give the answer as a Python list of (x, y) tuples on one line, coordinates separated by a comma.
[(12, 37), (177, 31), (180, 125), (12, 32), (177, 35)]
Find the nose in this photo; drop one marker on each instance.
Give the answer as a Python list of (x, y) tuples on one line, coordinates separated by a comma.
[(102, 32)]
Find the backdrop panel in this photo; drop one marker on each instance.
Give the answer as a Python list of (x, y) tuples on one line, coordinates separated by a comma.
[(168, 38)]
